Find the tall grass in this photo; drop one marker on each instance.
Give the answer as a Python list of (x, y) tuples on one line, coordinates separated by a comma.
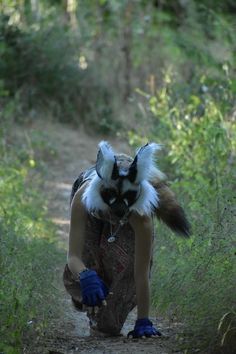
[(194, 280), (28, 253)]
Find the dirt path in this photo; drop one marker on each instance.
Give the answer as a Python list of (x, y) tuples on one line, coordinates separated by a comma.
[(75, 151)]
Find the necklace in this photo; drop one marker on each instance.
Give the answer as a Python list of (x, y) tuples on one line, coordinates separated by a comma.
[(112, 237)]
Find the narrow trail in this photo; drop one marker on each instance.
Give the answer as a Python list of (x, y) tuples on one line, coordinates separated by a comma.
[(75, 151)]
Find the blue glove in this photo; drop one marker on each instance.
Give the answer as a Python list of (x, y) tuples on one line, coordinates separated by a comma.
[(144, 328), (93, 288)]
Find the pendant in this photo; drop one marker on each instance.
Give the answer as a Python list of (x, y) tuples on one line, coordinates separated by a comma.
[(111, 239)]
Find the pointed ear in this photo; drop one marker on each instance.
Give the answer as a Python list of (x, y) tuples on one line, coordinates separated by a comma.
[(106, 165), (143, 163)]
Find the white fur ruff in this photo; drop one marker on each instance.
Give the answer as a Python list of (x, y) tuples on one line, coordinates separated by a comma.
[(106, 160), (91, 196), (146, 203), (145, 161), (147, 200)]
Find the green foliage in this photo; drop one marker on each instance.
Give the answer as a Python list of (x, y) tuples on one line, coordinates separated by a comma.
[(28, 253), (198, 132), (81, 63), (195, 278), (44, 72)]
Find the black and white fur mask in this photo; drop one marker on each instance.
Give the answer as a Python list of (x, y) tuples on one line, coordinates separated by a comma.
[(120, 184)]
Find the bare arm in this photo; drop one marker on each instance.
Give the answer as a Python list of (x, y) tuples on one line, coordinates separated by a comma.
[(142, 226), (77, 233)]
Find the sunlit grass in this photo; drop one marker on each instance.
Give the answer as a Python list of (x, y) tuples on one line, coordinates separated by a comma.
[(29, 253)]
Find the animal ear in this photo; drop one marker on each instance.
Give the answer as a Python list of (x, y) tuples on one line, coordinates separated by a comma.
[(143, 163), (106, 164)]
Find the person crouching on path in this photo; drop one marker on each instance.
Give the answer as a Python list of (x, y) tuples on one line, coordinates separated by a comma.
[(113, 205)]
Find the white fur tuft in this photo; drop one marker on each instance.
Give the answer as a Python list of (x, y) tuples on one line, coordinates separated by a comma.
[(156, 174), (147, 200), (145, 161), (105, 160), (91, 196)]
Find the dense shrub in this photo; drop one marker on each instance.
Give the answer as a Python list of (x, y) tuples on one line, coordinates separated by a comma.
[(43, 67), (82, 64), (194, 279), (28, 252)]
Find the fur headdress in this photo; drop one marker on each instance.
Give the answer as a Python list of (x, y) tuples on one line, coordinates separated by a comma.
[(120, 180)]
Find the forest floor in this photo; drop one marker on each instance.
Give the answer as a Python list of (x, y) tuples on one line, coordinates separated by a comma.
[(69, 332)]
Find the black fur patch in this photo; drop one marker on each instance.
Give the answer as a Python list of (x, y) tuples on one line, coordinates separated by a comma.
[(107, 194), (133, 170), (131, 197), (115, 171), (99, 163)]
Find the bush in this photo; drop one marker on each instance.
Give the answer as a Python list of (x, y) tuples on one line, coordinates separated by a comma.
[(194, 279), (43, 67), (81, 63), (28, 253)]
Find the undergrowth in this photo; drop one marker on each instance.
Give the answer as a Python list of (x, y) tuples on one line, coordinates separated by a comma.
[(83, 65), (28, 253), (194, 280)]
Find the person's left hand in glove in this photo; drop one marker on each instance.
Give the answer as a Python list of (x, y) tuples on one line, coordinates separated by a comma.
[(144, 328)]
